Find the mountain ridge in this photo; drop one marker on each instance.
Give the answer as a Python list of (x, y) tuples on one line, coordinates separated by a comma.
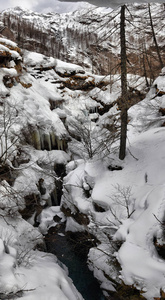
[(89, 37)]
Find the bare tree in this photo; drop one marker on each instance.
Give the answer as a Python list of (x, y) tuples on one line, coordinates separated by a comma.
[(154, 36), (90, 140), (124, 91), (8, 138)]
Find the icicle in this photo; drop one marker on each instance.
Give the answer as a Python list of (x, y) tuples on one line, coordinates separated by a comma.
[(47, 142), (49, 201), (53, 140), (59, 144), (36, 141), (42, 139)]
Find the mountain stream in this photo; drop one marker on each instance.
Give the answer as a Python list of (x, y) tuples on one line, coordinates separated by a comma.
[(83, 279)]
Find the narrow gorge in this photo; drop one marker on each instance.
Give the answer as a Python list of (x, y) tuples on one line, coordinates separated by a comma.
[(65, 196)]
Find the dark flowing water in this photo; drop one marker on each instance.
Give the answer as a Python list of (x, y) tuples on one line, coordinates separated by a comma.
[(82, 277)]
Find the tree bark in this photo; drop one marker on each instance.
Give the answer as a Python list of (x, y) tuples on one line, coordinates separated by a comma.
[(154, 37), (124, 92)]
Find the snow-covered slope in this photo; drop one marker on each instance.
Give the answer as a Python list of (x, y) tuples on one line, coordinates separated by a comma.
[(90, 37), (125, 203)]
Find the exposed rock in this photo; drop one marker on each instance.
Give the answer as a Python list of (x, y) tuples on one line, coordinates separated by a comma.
[(6, 32), (125, 292), (98, 207), (162, 111), (57, 219), (79, 217), (56, 103), (114, 168), (32, 203), (6, 174), (82, 242)]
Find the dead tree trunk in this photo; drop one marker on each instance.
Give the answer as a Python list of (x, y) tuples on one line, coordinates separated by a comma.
[(124, 92)]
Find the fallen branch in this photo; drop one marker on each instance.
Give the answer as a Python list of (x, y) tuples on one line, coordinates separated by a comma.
[(13, 295)]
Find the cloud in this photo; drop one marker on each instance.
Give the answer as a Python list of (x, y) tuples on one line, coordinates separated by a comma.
[(114, 3), (56, 6), (28, 4), (61, 6), (44, 6)]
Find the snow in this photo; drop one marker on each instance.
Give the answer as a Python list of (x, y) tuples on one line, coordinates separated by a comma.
[(14, 54), (132, 198), (47, 122), (27, 273), (73, 226), (5, 72), (51, 157), (74, 181), (3, 48), (45, 273), (46, 218), (149, 275), (38, 60), (8, 42), (68, 68), (160, 82)]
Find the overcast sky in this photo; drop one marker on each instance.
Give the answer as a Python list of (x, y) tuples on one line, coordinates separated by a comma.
[(43, 5), (62, 6)]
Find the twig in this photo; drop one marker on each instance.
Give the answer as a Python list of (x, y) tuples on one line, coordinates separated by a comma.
[(162, 223), (13, 295)]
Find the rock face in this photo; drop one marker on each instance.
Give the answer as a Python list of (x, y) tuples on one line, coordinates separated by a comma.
[(6, 32)]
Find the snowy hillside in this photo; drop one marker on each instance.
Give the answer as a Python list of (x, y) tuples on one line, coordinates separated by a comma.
[(60, 130), (90, 37), (125, 203)]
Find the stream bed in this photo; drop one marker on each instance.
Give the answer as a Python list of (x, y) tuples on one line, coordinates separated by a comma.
[(83, 279)]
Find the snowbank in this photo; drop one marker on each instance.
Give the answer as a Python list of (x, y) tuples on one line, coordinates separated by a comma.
[(131, 199)]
